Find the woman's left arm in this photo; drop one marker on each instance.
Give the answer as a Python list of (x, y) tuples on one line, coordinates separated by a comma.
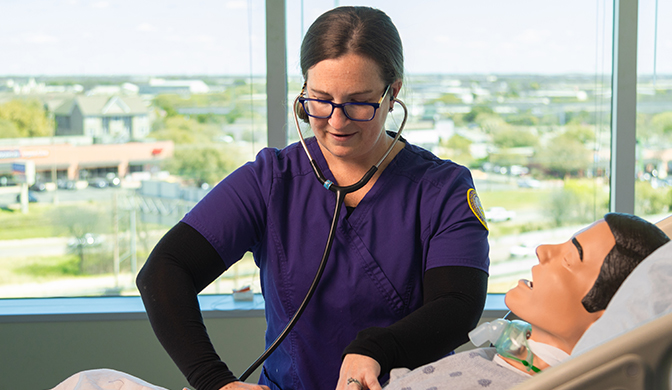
[(454, 297)]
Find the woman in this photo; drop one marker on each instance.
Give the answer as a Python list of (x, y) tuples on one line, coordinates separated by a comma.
[(406, 278)]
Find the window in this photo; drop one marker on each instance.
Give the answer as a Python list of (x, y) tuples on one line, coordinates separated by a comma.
[(115, 138), (654, 111), (519, 93)]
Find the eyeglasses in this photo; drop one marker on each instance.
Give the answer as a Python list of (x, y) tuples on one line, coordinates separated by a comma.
[(355, 111)]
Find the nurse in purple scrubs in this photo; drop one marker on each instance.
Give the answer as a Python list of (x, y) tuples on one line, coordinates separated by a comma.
[(407, 274)]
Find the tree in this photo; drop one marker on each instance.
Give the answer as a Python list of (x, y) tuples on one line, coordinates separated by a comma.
[(523, 119), (8, 129), (491, 123), (183, 131), (475, 111), (78, 222), (662, 123), (166, 102), (446, 98), (579, 201), (564, 155), (581, 133), (649, 200), (458, 149), (28, 117), (511, 137), (203, 164)]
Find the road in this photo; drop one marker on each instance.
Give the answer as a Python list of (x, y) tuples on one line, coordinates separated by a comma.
[(32, 247), (8, 195)]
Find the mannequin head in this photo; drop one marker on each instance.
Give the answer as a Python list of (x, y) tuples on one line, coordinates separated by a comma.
[(575, 280)]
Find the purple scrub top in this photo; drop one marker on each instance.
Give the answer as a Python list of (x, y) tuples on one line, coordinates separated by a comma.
[(416, 217)]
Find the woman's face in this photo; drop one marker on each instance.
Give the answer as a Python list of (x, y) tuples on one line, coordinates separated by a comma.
[(350, 78)]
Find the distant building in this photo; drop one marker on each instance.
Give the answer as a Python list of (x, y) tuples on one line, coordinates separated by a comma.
[(188, 87), (106, 119), (133, 160)]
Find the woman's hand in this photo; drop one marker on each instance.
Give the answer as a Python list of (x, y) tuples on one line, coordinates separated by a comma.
[(359, 372), (244, 386)]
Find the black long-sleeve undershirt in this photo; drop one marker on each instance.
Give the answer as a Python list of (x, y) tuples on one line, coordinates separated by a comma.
[(183, 263)]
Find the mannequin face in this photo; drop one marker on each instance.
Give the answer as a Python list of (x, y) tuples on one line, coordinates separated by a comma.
[(551, 303), (350, 78)]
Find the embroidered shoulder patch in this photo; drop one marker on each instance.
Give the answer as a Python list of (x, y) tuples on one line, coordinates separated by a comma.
[(476, 207)]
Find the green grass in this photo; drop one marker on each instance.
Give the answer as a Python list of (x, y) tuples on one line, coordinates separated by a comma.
[(18, 270), (36, 223), (50, 266), (519, 199)]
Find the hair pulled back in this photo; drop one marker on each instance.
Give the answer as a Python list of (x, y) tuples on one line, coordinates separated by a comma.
[(361, 30)]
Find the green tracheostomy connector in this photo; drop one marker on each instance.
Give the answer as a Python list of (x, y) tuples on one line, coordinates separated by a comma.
[(512, 343), (509, 339)]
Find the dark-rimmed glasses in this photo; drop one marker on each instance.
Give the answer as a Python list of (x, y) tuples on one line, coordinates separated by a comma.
[(355, 111)]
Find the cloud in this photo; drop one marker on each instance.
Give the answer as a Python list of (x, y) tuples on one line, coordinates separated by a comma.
[(533, 36), (40, 38), (100, 4), (236, 4), (192, 39), (146, 27)]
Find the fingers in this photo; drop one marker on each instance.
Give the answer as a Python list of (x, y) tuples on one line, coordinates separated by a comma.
[(244, 386), (364, 384), (359, 372)]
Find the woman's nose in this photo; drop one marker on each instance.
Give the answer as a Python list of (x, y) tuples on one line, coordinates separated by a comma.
[(338, 119)]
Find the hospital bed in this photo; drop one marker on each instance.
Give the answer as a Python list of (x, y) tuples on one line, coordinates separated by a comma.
[(639, 359), (640, 356)]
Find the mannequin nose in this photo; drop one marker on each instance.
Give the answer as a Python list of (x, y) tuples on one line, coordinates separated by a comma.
[(544, 253)]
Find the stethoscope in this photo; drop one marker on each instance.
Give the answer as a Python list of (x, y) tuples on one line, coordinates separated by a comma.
[(341, 192)]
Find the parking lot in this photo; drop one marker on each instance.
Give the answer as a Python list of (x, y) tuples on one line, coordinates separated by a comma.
[(8, 195)]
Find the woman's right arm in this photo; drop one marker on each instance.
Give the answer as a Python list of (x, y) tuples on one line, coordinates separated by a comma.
[(181, 265)]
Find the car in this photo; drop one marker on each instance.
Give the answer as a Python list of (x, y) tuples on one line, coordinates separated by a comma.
[(31, 197), (114, 182), (499, 214), (39, 187), (98, 182), (525, 249), (63, 184), (529, 183), (87, 240)]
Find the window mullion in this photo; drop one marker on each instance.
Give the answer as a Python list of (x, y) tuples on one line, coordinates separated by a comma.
[(624, 107)]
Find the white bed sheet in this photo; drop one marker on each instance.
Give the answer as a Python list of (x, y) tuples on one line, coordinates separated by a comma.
[(105, 379)]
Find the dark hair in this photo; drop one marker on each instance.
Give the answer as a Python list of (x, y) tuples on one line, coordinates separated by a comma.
[(361, 30), (635, 240)]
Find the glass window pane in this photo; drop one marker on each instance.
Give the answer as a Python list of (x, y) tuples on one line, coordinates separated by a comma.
[(128, 112), (654, 111), (519, 93)]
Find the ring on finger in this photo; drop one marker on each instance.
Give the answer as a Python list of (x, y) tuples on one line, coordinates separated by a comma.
[(353, 380)]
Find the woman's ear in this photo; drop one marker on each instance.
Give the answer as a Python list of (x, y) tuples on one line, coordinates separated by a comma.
[(395, 87), (301, 113)]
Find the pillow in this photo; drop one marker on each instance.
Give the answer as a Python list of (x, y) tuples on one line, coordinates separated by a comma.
[(645, 294)]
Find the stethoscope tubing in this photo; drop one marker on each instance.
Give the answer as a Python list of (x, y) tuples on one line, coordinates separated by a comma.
[(341, 192)]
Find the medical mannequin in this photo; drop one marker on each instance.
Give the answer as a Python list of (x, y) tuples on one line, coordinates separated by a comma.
[(570, 288)]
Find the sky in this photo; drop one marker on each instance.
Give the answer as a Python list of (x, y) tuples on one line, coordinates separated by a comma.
[(227, 37)]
